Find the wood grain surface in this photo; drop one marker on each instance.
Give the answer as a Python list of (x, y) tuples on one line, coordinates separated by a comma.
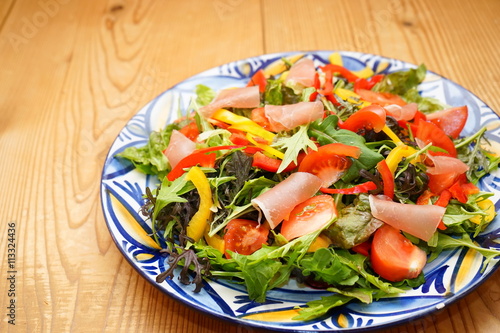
[(73, 72)]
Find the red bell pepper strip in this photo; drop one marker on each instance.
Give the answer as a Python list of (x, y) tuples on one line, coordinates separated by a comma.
[(344, 72), (387, 178), (363, 248), (362, 83), (316, 85), (196, 158), (258, 79), (361, 188), (270, 164)]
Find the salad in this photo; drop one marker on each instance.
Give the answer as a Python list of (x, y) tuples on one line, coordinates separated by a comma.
[(345, 181)]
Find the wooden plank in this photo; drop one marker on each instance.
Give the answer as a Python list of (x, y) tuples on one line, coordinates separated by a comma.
[(70, 82)]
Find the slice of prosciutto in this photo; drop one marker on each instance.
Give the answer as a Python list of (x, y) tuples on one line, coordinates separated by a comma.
[(418, 220), (286, 117), (277, 203), (406, 112), (179, 147), (247, 97), (301, 74)]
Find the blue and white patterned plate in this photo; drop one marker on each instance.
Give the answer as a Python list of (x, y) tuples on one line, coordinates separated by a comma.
[(451, 276)]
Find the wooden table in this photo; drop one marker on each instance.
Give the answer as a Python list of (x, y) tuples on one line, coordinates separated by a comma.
[(72, 74)]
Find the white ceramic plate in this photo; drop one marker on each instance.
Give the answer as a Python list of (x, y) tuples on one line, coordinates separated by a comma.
[(451, 276)]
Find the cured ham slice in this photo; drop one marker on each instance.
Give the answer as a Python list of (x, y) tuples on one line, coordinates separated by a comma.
[(446, 164), (247, 97), (277, 203), (286, 117), (178, 148), (418, 220), (301, 74), (406, 112)]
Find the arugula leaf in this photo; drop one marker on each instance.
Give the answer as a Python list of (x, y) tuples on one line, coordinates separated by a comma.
[(320, 307), (446, 242), (326, 266)]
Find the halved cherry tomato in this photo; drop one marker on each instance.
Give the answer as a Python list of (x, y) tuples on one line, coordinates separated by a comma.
[(258, 79), (394, 257), (329, 162), (370, 117), (429, 132), (451, 121), (309, 216), (244, 236), (264, 162), (190, 131), (380, 98)]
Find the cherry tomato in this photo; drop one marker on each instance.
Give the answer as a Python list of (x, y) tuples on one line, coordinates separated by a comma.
[(394, 257), (380, 98), (429, 132), (451, 121), (329, 162), (244, 236), (309, 216)]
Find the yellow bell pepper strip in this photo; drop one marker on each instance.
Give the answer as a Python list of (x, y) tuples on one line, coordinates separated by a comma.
[(351, 97), (392, 135), (199, 222), (215, 241), (243, 124), (268, 149), (279, 66), (489, 208), (320, 242), (397, 154)]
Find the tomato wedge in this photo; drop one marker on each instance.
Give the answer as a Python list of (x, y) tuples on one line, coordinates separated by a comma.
[(244, 236), (429, 132), (258, 79), (380, 98), (191, 131), (309, 216), (394, 257), (329, 162), (370, 117), (451, 121)]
